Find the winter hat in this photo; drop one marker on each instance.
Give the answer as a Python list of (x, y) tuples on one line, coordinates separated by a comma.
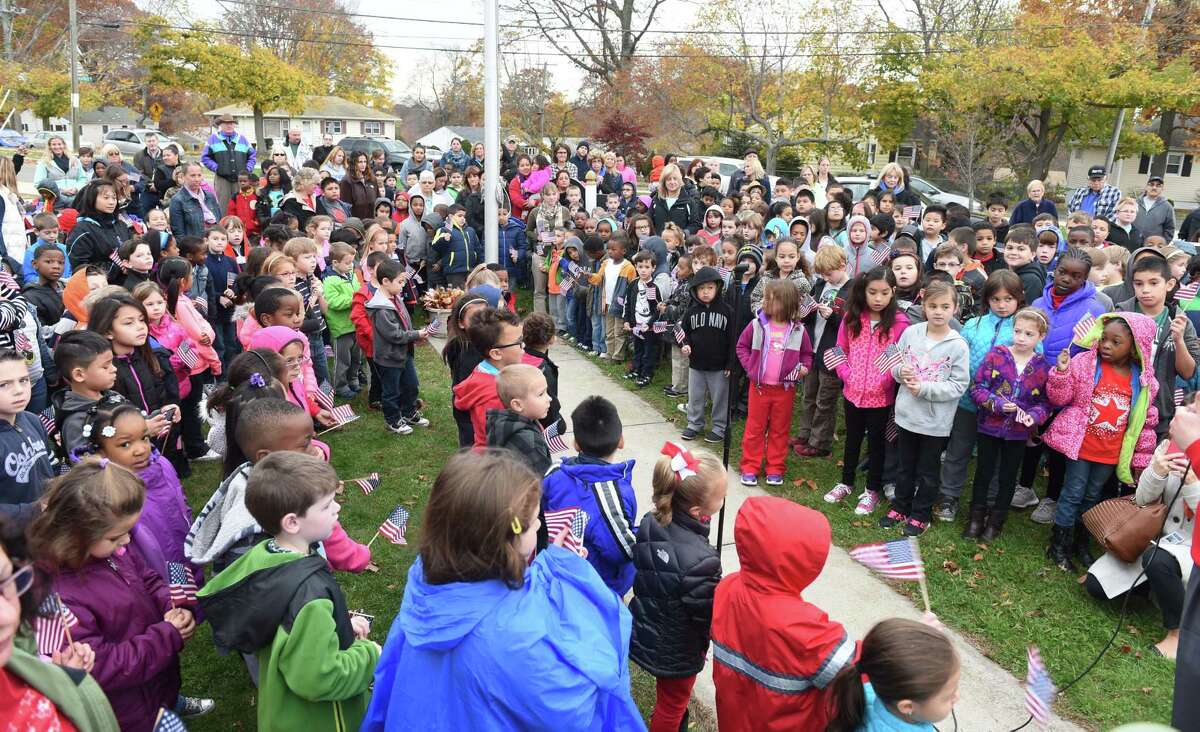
[(720, 211), (645, 201), (356, 224), (752, 253), (66, 219), (866, 223), (490, 293)]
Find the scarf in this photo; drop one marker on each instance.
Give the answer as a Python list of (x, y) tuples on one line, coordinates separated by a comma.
[(209, 217)]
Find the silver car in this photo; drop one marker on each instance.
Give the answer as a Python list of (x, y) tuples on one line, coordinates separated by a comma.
[(131, 142)]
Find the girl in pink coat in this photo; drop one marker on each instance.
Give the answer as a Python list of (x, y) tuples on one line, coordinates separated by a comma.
[(1107, 422), (872, 324)]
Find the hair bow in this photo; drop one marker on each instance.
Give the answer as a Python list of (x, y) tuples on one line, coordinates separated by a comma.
[(683, 462), (257, 381)]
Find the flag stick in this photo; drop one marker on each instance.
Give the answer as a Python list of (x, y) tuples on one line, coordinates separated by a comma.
[(916, 550), (373, 538), (67, 628)]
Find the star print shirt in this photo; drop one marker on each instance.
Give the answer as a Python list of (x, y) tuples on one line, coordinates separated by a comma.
[(1108, 417)]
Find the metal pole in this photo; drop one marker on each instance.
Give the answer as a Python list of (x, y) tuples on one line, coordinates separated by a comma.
[(73, 55), (1116, 133), (491, 130), (734, 392)]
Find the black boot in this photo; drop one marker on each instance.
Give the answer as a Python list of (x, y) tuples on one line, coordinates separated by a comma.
[(1059, 550), (995, 524), (1080, 548), (975, 522)]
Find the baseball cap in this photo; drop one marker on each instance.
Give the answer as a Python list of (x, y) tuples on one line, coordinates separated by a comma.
[(1096, 171), (1155, 179)]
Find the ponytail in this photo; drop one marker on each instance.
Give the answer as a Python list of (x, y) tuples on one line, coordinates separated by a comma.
[(847, 701), (172, 271), (682, 490)]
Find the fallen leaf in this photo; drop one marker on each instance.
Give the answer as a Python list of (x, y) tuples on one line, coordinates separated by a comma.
[(840, 464), (982, 547), (1038, 613), (422, 477), (970, 582), (977, 574), (978, 557), (1137, 654), (951, 567), (1133, 630), (999, 551), (1126, 648), (1147, 689), (798, 482), (1041, 572)]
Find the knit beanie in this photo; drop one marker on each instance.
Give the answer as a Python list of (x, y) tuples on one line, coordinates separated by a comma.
[(752, 253)]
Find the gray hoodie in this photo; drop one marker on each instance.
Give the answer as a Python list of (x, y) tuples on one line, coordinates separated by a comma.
[(392, 340), (412, 240), (943, 368)]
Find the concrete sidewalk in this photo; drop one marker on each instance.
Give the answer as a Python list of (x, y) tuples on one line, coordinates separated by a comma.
[(990, 698)]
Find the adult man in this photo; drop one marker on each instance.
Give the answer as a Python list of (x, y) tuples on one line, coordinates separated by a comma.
[(456, 157), (416, 164), (508, 158), (297, 152), (193, 209), (1098, 199), (227, 154), (580, 159), (739, 176), (320, 152), (146, 160), (1156, 215)]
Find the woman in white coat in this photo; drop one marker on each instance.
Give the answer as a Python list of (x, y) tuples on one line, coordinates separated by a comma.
[(1109, 578), (12, 213)]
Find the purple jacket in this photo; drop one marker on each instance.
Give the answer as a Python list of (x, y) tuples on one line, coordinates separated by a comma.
[(797, 351), (120, 603), (997, 383), (165, 512)]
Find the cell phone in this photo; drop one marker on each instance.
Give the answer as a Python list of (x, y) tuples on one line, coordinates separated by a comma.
[(169, 413)]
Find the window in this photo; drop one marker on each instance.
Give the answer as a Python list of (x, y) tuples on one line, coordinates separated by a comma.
[(906, 154), (58, 127), (372, 128), (871, 150), (274, 128), (1174, 163), (332, 127)]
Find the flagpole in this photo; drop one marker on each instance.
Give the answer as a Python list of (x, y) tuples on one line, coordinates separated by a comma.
[(916, 551)]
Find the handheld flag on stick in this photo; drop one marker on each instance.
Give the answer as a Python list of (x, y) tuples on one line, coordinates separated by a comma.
[(393, 527), (807, 305), (680, 336), (168, 721), (834, 357), (554, 440), (343, 414), (1083, 326), (912, 212), (47, 418), (1188, 291), (891, 433), (1039, 689), (183, 583), (889, 359), (412, 273), (897, 559), (367, 484), (187, 355), (879, 256), (571, 520), (53, 624)]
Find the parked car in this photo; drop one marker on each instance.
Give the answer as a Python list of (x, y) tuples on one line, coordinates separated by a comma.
[(725, 166), (39, 139), (12, 138), (131, 142), (858, 185), (396, 152), (937, 195)]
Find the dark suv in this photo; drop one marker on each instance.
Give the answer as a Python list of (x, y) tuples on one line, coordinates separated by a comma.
[(395, 150)]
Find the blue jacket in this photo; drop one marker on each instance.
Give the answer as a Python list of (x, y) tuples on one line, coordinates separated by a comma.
[(227, 157), (1025, 211), (459, 250), (552, 654), (512, 236), (220, 267), (982, 334), (604, 491), (29, 275), (878, 718), (1077, 305), (187, 218)]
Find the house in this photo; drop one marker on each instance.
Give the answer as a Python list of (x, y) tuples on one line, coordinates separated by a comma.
[(93, 125), (441, 137), (1181, 184), (322, 115)]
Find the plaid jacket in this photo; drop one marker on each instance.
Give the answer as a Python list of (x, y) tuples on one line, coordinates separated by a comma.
[(1106, 205)]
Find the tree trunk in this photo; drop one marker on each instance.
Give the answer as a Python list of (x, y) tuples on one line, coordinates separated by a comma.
[(259, 132), (772, 152), (1166, 125)]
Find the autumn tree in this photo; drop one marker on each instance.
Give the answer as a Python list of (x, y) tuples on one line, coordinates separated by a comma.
[(617, 131), (449, 88)]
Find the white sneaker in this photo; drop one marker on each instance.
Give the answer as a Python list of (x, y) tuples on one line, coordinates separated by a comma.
[(1044, 513), (840, 491), (209, 456), (1024, 497), (417, 420), (401, 428), (682, 406), (867, 503)]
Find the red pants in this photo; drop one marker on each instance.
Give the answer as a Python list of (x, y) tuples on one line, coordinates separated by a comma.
[(768, 424), (670, 703)]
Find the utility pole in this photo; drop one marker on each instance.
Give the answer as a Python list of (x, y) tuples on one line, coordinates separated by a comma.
[(8, 11), (1116, 134), (491, 130), (73, 55)]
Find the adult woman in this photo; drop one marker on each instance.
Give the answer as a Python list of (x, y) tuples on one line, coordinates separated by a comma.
[(672, 204), (824, 178), (357, 184), (562, 155), (335, 165), (45, 695), (521, 204), (1108, 578), (477, 155), (809, 178), (12, 213), (301, 202), (164, 175), (471, 197), (611, 182), (562, 181), (892, 180), (441, 194), (111, 154), (628, 174), (1035, 203), (58, 171), (98, 232)]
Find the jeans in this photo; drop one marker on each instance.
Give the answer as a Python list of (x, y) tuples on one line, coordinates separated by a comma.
[(194, 445), (556, 312), (1165, 580), (645, 354), (917, 487), (1186, 711), (226, 343), (567, 306), (869, 422), (375, 394), (993, 450), (400, 389), (702, 385), (320, 362), (598, 341), (1081, 488), (582, 323), (347, 360)]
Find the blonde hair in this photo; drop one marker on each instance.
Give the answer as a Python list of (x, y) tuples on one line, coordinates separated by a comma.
[(99, 294), (515, 381), (1039, 318), (938, 289), (1118, 257), (48, 156), (8, 175), (481, 275), (672, 493), (1036, 181), (109, 149), (274, 260), (298, 246), (1079, 218), (829, 257), (890, 168)]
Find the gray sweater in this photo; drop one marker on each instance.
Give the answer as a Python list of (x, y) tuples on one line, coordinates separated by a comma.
[(943, 368), (392, 340)]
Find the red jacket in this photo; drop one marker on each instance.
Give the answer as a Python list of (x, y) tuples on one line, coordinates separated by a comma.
[(362, 321), (243, 207), (477, 394), (775, 655)]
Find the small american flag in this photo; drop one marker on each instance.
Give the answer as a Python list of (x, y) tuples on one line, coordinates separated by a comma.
[(651, 293), (1083, 326), (169, 721), (343, 414), (891, 433), (412, 273), (571, 520), (47, 418), (328, 352), (367, 484), (21, 341), (566, 285), (807, 305), (115, 258), (50, 625), (324, 399), (573, 269), (834, 357), (899, 558), (554, 440), (201, 304), (889, 359), (1188, 291), (723, 271), (660, 326), (187, 355), (230, 278), (1039, 689), (879, 256), (1179, 396), (395, 526), (182, 583), (680, 336), (912, 212)]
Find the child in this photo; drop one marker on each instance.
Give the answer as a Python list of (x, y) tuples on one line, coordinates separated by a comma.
[(641, 312), (220, 271), (786, 264), (537, 331), (705, 328), (244, 206), (45, 231), (241, 369), (672, 597), (462, 358), (775, 352), (136, 263), (123, 607), (340, 285), (1067, 299), (1019, 257), (45, 293), (711, 233), (760, 617), (914, 674), (1010, 392), (1108, 396), (291, 345), (456, 248), (291, 496), (933, 223), (393, 339), (601, 488), (677, 304), (933, 372), (85, 360), (1047, 247), (496, 335), (986, 254), (968, 285), (818, 415), (31, 462), (516, 428), (304, 252), (872, 323), (615, 278), (319, 229), (478, 534), (237, 245)]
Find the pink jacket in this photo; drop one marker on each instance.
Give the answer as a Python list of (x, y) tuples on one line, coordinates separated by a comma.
[(197, 327), (863, 384), (171, 334), (246, 330), (1072, 389)]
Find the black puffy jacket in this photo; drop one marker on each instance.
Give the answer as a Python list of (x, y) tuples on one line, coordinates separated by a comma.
[(685, 213), (677, 575)]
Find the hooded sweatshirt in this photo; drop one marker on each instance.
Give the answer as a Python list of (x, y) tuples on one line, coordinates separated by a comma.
[(28, 464), (774, 654), (706, 327), (1074, 307), (797, 351), (288, 610), (711, 238), (477, 394), (551, 654), (520, 435), (1164, 358), (1124, 291), (943, 369), (276, 338), (70, 412), (393, 334)]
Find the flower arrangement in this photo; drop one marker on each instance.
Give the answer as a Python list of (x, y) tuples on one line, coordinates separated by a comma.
[(440, 298)]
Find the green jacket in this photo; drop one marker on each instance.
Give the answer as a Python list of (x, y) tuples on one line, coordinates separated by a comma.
[(288, 610), (74, 693), (339, 291)]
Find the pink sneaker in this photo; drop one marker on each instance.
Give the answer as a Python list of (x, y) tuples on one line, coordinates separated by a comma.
[(867, 503), (840, 491)]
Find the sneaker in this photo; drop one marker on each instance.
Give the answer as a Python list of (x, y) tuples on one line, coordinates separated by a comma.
[(682, 407), (774, 480), (417, 420), (809, 451), (889, 491), (714, 438), (631, 375), (603, 355), (673, 392), (1044, 513), (689, 434), (1024, 498), (190, 707), (946, 509), (915, 527), (891, 518), (749, 479), (400, 428), (867, 503), (642, 382), (839, 491), (209, 456)]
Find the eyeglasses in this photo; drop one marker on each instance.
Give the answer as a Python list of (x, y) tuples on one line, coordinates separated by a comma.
[(509, 345), (20, 581), (294, 363)]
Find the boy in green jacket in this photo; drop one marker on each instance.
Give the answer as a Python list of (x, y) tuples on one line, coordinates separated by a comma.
[(341, 283), (281, 602)]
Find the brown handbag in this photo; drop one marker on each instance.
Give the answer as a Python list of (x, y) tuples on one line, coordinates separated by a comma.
[(1123, 527)]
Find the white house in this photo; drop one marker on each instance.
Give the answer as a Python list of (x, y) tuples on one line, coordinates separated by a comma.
[(322, 115), (1181, 183), (93, 124)]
